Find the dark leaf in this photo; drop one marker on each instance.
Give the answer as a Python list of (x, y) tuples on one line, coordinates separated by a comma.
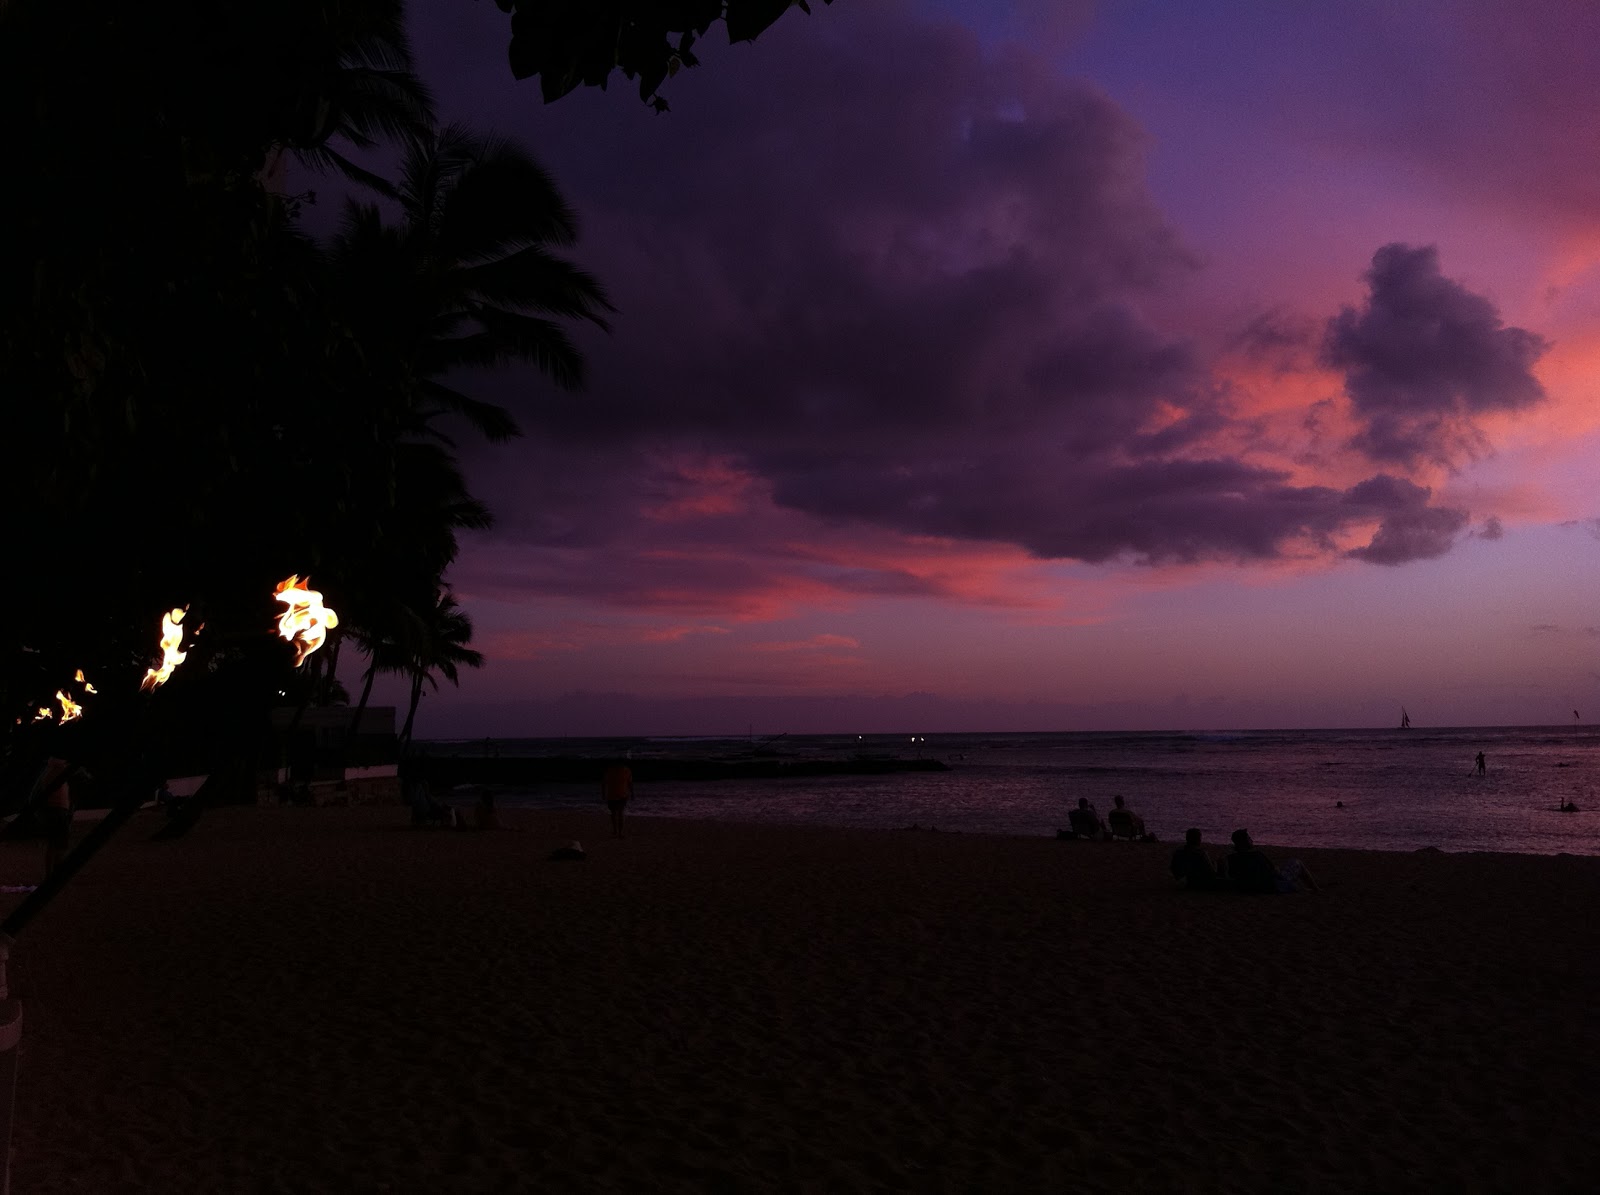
[(748, 19)]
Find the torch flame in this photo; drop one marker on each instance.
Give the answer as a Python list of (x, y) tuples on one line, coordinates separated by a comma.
[(70, 709), (171, 657), (45, 714), (306, 622), (87, 687)]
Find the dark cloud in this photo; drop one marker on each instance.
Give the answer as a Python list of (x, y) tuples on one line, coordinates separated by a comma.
[(1492, 529), (901, 279), (1423, 357), (1410, 529)]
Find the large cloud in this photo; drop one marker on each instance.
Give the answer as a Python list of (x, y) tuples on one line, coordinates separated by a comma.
[(1424, 358), (902, 281)]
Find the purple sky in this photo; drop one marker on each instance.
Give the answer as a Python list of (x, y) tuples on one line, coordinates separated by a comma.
[(1051, 366)]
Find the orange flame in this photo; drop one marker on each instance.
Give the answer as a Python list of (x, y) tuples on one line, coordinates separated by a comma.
[(306, 622), (70, 709), (45, 714), (171, 657), (87, 687)]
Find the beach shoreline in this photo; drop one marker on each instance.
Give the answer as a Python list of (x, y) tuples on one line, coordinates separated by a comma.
[(325, 999)]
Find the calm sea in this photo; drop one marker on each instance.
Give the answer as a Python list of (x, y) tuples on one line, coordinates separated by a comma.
[(1401, 789)]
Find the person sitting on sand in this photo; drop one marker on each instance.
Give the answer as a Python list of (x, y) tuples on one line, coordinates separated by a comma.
[(1086, 821), (1192, 865), (484, 815), (1123, 821), (616, 787), (414, 788), (1247, 869)]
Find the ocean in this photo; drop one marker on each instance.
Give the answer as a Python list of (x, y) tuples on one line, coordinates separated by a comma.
[(1401, 790)]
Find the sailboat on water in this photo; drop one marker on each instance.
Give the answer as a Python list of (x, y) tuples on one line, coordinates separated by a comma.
[(1405, 719)]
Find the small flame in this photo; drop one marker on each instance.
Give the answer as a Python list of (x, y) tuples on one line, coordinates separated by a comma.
[(45, 714), (306, 622), (171, 657), (70, 709), (87, 687)]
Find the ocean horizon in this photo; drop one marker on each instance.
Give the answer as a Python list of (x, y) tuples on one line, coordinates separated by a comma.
[(1364, 789)]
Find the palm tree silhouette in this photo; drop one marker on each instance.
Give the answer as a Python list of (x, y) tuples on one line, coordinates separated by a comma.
[(439, 650), (363, 95), (467, 280)]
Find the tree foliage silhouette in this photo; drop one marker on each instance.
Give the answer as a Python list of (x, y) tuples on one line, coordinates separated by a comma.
[(204, 399), (579, 43)]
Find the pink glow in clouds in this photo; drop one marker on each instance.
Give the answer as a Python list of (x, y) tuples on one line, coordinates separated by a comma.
[(917, 385)]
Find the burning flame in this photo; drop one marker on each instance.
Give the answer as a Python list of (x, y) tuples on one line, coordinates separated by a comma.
[(307, 621), (70, 709), (171, 657), (87, 687), (45, 714)]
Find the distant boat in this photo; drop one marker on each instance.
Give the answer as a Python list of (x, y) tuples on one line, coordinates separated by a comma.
[(1405, 719)]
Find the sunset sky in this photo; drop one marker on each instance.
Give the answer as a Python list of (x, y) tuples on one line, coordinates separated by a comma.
[(986, 366)]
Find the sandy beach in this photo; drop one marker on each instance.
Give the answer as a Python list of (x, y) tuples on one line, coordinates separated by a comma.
[(326, 1000)]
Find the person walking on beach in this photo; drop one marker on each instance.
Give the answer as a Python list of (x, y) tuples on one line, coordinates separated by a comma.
[(1479, 766), (616, 787)]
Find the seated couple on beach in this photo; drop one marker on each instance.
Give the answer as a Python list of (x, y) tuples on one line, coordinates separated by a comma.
[(427, 811), (1121, 822), (1245, 869)]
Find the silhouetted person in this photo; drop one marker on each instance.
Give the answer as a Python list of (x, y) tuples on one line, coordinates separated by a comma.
[(1124, 821), (484, 815), (1569, 807), (616, 787), (1192, 865), (1247, 869), (1085, 821), (416, 792), (55, 792), (1480, 766)]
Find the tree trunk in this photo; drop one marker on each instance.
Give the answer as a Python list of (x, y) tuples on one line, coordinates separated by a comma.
[(361, 706), (355, 719), (411, 714), (331, 674)]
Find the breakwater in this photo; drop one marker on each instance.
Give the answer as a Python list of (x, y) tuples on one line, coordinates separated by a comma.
[(449, 771)]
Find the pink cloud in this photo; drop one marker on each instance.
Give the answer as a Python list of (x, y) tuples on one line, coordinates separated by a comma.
[(815, 643)]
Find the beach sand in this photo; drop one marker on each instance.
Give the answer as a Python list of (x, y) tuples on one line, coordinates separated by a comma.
[(325, 1000)]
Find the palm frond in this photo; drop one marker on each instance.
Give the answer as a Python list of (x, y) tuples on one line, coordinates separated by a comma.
[(533, 279), (323, 159), (491, 420), (382, 105), (508, 337), (504, 199)]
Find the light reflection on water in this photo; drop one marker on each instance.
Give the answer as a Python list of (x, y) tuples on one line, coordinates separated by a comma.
[(1401, 790)]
